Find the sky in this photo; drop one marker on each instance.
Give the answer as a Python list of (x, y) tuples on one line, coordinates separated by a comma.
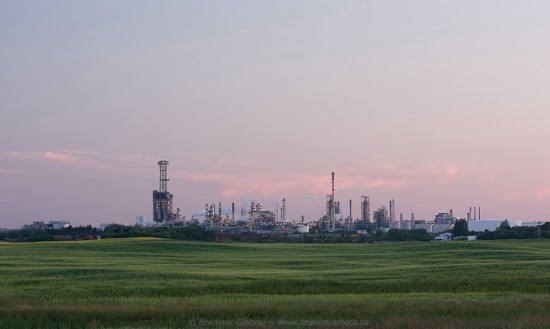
[(438, 104)]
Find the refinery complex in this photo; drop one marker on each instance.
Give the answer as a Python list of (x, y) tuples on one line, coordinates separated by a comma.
[(254, 218)]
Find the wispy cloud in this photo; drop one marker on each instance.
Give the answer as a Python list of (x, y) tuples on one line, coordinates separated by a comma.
[(3, 171), (76, 159), (395, 177), (253, 183), (138, 157), (234, 177), (383, 175), (537, 193)]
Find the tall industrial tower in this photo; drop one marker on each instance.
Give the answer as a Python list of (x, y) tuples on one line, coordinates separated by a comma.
[(162, 199), (365, 209), (283, 211), (333, 208), (329, 205), (392, 210), (349, 222)]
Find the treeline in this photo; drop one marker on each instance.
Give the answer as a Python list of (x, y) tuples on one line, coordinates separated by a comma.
[(393, 235), (517, 232), (199, 233), (195, 233), (396, 235), (67, 233)]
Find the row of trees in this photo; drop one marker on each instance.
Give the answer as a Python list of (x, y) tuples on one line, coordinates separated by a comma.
[(396, 235), (195, 233), (67, 233), (199, 233), (393, 235), (517, 232), (504, 231)]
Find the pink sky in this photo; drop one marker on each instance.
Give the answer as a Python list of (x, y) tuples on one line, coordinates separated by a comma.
[(437, 104)]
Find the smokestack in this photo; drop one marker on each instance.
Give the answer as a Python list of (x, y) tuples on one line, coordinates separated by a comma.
[(332, 214), (283, 210), (470, 214), (475, 214), (233, 211), (392, 210), (350, 208), (479, 213), (412, 221)]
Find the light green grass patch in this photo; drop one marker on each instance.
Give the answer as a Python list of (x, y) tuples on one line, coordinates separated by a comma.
[(147, 282)]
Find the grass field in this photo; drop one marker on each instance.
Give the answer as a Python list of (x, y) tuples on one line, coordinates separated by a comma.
[(154, 283)]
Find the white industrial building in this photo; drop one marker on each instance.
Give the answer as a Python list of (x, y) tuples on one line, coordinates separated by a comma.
[(490, 224), (444, 237), (434, 227), (303, 229)]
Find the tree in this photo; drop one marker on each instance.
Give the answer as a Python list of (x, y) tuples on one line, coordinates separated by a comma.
[(460, 228), (505, 225)]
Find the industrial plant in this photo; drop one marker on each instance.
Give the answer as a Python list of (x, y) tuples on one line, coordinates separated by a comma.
[(254, 218)]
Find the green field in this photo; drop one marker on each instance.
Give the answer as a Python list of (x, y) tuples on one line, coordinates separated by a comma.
[(154, 283)]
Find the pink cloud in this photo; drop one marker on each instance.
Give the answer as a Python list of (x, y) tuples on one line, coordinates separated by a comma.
[(538, 193), (247, 184), (255, 184), (76, 159), (58, 156), (138, 157), (240, 178), (391, 176), (3, 171)]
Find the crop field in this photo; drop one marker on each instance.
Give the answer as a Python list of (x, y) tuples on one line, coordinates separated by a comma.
[(156, 283)]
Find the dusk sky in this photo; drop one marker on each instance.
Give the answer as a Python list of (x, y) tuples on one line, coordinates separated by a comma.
[(438, 104)]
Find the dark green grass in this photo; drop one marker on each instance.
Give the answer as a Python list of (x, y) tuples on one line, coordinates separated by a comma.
[(153, 283)]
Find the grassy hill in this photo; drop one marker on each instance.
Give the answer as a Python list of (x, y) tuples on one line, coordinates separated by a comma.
[(152, 283)]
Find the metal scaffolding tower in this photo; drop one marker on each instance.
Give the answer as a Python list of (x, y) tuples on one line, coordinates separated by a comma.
[(163, 165), (162, 199)]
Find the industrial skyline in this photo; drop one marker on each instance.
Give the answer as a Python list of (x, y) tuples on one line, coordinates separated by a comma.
[(255, 218), (440, 105)]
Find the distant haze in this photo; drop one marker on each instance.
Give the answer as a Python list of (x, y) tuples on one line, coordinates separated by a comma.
[(438, 104)]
